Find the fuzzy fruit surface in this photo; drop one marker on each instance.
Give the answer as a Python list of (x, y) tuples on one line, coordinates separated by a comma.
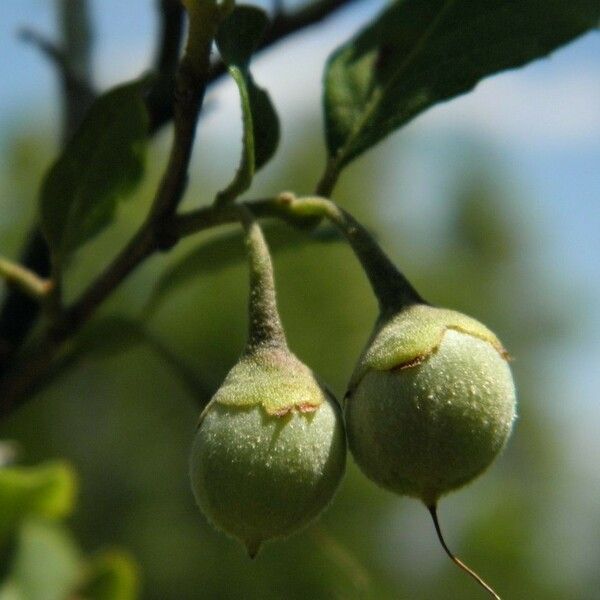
[(259, 475), (438, 419)]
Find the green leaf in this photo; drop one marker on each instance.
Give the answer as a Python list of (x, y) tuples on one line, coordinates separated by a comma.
[(240, 33), (100, 165), (265, 123), (224, 251), (47, 565), (112, 575), (420, 52), (237, 38), (46, 490)]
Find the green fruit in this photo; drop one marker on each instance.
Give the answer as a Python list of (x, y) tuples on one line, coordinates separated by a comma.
[(270, 449), (431, 402)]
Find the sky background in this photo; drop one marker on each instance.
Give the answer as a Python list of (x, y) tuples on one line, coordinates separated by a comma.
[(541, 124)]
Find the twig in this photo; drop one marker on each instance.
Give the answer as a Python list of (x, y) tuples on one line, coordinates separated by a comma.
[(149, 239), (190, 85), (27, 281), (153, 237), (433, 512), (162, 229), (144, 244)]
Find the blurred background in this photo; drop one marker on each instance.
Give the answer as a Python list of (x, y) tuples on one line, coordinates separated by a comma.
[(489, 203)]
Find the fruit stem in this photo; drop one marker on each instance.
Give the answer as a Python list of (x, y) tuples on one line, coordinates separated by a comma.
[(264, 327), (393, 291), (433, 512)]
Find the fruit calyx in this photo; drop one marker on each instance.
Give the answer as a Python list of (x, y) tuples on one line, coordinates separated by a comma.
[(410, 336), (281, 383)]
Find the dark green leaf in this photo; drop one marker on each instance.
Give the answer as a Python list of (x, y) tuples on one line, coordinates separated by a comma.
[(265, 124), (224, 251), (240, 33), (99, 166), (238, 37), (421, 52)]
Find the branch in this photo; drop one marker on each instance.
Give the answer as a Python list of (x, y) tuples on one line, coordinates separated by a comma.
[(160, 98), (78, 93), (190, 85), (19, 312), (163, 228), (299, 212), (144, 244), (161, 235), (152, 239)]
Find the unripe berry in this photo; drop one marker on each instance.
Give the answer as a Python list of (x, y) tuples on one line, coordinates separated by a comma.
[(431, 402), (270, 449)]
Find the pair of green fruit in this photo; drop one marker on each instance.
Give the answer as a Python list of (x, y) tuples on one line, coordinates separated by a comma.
[(430, 405)]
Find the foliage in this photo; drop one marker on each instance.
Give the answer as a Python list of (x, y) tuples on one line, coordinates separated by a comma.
[(417, 54), (39, 552), (237, 40), (127, 434), (99, 166)]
